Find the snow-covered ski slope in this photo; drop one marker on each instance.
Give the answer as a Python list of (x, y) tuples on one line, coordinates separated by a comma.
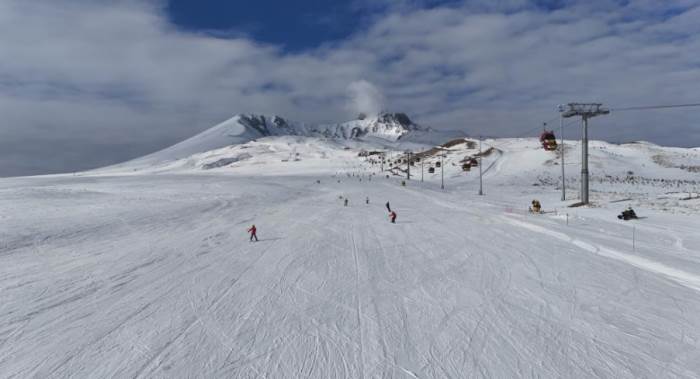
[(148, 272)]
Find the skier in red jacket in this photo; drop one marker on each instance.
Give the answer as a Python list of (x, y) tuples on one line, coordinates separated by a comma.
[(253, 230), (392, 216)]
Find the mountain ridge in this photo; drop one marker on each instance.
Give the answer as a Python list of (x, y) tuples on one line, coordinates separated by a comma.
[(385, 127)]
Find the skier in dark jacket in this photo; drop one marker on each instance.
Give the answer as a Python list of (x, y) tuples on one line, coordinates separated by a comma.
[(253, 233), (392, 216)]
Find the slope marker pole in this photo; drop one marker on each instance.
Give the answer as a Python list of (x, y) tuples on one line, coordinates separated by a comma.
[(563, 152), (442, 172), (422, 161), (481, 183), (408, 165)]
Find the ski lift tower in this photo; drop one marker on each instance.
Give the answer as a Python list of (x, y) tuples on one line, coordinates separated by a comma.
[(586, 111), (443, 155), (408, 164)]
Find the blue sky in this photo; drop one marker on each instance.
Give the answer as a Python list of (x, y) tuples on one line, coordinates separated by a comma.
[(298, 25), (95, 82), (293, 25)]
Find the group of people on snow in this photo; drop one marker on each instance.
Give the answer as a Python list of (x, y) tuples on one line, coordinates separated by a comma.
[(392, 214), (536, 207), (392, 218)]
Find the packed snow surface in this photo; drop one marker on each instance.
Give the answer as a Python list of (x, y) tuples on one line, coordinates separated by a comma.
[(146, 270)]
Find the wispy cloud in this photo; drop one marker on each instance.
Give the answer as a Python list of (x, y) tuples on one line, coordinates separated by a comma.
[(365, 98), (77, 74)]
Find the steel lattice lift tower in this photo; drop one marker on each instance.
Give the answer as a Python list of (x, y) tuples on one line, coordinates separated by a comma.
[(586, 111)]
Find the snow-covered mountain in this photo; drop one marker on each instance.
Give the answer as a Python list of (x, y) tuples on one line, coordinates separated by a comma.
[(272, 145), (642, 172), (242, 128), (388, 126)]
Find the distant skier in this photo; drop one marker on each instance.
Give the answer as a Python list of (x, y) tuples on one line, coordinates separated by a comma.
[(346, 201), (392, 217), (367, 200), (388, 207), (253, 233)]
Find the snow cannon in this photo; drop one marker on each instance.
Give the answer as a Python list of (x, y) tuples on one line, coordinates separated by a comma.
[(548, 140)]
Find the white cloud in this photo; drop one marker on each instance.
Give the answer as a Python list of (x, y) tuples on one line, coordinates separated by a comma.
[(365, 98), (94, 73)]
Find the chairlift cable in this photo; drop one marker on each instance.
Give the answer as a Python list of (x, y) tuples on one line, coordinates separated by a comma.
[(647, 107)]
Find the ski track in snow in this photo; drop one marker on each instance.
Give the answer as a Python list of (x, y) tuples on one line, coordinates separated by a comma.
[(155, 277), (684, 278)]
